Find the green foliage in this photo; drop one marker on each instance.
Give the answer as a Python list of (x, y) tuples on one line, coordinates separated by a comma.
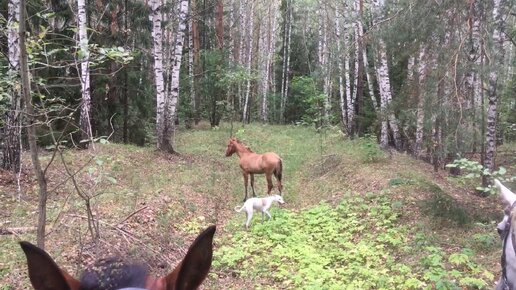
[(370, 150), (444, 207), (474, 170), (355, 245), (305, 103)]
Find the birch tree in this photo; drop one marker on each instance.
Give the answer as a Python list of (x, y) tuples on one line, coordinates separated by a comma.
[(497, 61), (420, 113), (287, 35), (84, 56), (384, 84), (157, 49), (171, 99), (12, 144), (342, 94), (249, 58)]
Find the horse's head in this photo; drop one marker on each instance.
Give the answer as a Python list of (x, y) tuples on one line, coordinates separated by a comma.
[(508, 237), (232, 147), (111, 274)]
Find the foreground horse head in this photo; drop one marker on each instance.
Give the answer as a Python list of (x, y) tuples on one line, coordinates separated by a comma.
[(231, 148), (112, 274), (251, 163), (506, 231)]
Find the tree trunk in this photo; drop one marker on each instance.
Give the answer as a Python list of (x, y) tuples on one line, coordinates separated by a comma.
[(350, 105), (496, 62), (386, 98), (31, 129), (172, 98), (359, 68), (157, 36), (85, 120), (370, 84), (219, 27), (342, 95), (12, 135), (287, 34), (245, 118), (197, 70), (420, 114), (267, 41)]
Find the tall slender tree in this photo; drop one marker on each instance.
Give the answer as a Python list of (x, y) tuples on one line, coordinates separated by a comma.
[(11, 150), (497, 61), (84, 57)]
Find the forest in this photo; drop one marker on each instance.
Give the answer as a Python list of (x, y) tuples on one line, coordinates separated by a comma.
[(392, 120)]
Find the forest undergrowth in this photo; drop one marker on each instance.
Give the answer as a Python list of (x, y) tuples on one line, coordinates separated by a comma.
[(355, 217)]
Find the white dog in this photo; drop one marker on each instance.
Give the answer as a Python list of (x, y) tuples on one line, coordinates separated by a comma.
[(259, 203)]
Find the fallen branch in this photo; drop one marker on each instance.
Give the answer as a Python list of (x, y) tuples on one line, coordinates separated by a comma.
[(16, 231), (129, 216)]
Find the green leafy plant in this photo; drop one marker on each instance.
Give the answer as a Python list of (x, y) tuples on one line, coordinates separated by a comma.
[(353, 245), (474, 170)]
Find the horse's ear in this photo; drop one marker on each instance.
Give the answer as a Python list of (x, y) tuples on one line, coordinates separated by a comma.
[(195, 266), (507, 196), (44, 273)]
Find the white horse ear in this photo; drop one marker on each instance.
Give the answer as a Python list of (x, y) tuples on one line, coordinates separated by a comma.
[(507, 196)]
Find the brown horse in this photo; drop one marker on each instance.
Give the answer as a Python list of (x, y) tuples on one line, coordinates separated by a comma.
[(112, 274), (252, 163)]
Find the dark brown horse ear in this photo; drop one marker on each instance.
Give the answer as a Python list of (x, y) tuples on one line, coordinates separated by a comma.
[(194, 268), (44, 273)]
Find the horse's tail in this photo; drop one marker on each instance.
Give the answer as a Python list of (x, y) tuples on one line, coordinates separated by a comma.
[(239, 210), (278, 172)]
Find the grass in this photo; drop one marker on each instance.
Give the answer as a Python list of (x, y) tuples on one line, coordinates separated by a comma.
[(340, 193)]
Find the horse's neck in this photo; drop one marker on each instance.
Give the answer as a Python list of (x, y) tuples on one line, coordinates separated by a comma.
[(242, 151), (510, 259)]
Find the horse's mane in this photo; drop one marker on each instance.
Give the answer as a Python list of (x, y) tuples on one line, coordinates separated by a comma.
[(245, 146), (113, 273)]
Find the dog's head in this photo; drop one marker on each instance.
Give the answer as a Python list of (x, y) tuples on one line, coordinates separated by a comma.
[(279, 198)]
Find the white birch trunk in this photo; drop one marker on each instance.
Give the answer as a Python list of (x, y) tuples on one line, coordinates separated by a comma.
[(267, 49), (386, 98), (286, 61), (157, 38), (85, 120), (420, 117), (243, 17), (191, 73), (249, 62), (342, 100), (326, 69), (172, 99), (350, 106), (388, 118), (497, 61), (12, 144), (370, 84)]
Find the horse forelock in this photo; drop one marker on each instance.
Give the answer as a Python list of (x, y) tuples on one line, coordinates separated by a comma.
[(112, 274)]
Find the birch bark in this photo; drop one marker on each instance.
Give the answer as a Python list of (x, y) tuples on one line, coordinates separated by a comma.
[(84, 56), (497, 61), (157, 38), (12, 143)]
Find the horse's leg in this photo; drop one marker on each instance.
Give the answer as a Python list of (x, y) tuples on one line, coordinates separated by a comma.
[(269, 182), (278, 174), (245, 185), (252, 183)]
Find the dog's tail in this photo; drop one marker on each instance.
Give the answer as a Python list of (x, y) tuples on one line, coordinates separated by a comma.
[(278, 174), (239, 210)]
